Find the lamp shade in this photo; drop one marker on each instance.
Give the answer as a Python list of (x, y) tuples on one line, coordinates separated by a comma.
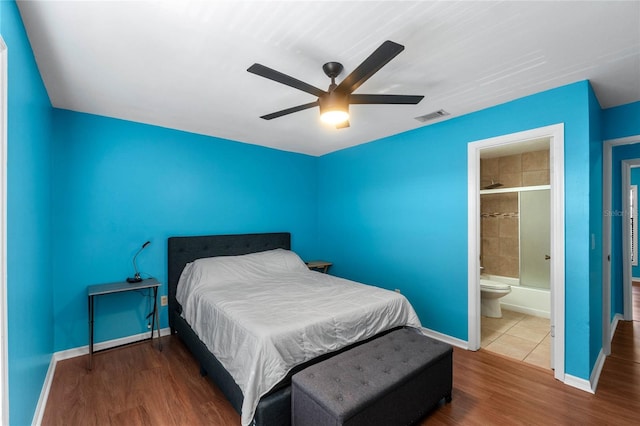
[(334, 108)]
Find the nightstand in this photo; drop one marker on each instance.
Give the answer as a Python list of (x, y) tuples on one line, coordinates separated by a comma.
[(100, 289), (319, 265)]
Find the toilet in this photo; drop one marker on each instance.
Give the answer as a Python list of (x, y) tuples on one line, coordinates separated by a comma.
[(490, 294)]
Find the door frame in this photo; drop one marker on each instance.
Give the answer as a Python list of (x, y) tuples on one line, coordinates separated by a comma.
[(608, 323), (4, 356), (627, 275), (555, 133)]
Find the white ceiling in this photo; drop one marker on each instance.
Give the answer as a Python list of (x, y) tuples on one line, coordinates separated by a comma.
[(182, 64)]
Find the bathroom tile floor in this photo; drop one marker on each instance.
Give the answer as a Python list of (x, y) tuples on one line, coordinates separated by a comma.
[(520, 336)]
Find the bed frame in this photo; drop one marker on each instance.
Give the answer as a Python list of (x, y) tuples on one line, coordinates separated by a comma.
[(274, 408)]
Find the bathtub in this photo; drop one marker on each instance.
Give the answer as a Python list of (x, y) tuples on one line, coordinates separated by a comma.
[(531, 301)]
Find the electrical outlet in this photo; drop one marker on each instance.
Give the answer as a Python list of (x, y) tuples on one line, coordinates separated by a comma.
[(164, 301)]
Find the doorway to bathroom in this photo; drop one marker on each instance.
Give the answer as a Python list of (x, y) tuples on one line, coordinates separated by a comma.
[(516, 242), (515, 238)]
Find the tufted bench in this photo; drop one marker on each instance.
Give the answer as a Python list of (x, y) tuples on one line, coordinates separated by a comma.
[(392, 380)]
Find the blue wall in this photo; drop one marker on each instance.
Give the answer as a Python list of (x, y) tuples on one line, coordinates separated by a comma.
[(621, 121), (401, 222), (595, 227), (29, 290), (118, 184)]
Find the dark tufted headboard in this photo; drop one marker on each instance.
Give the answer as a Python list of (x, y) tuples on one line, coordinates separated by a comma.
[(182, 250)]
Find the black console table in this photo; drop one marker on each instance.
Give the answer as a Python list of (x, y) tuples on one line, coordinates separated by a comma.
[(119, 287)]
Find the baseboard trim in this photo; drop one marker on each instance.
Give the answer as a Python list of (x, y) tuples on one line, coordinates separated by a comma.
[(614, 324), (597, 369), (578, 383), (446, 338), (84, 350), (591, 384), (75, 352), (44, 393)]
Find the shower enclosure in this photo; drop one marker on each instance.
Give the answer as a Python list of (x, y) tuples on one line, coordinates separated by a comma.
[(515, 235)]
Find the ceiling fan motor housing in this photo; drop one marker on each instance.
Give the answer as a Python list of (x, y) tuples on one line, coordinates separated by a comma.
[(334, 101)]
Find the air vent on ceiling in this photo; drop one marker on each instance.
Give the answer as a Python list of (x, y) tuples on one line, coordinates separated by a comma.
[(432, 116)]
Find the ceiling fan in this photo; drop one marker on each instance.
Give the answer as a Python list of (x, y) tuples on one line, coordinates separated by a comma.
[(334, 103)]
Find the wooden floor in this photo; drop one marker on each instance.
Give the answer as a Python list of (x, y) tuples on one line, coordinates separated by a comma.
[(138, 385)]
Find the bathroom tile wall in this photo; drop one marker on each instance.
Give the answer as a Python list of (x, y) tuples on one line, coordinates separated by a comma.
[(526, 169), (499, 228), (500, 250)]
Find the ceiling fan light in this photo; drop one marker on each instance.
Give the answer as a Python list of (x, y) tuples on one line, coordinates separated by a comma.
[(334, 108), (334, 117)]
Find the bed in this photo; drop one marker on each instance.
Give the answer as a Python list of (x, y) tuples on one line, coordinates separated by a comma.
[(274, 349)]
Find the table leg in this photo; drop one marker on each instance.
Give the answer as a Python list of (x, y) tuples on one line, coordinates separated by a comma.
[(155, 321), (90, 332), (158, 325)]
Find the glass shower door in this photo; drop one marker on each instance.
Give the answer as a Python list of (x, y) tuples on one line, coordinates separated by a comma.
[(535, 238)]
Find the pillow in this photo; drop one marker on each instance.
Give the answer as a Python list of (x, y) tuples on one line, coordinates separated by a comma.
[(212, 271), (278, 260)]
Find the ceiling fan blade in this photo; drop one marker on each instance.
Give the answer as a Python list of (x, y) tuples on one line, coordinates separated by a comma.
[(343, 125), (289, 110), (274, 75), (379, 58), (385, 99)]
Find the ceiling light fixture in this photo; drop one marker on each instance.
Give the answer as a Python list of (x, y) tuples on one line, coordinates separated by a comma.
[(334, 117), (334, 108)]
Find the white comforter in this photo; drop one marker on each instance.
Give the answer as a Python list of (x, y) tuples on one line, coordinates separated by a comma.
[(264, 313)]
